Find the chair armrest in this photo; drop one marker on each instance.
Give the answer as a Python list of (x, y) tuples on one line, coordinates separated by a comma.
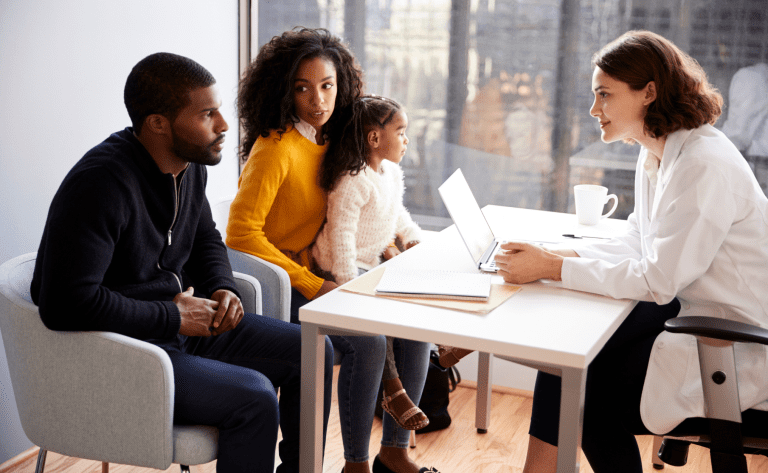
[(250, 292), (95, 395), (717, 362), (720, 329), (275, 283)]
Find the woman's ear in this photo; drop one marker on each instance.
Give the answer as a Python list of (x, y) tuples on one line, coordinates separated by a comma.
[(373, 139), (650, 93)]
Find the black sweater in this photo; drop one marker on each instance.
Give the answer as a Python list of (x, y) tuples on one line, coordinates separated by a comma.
[(120, 243)]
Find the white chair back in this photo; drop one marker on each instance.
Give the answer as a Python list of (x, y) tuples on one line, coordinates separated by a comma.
[(220, 211)]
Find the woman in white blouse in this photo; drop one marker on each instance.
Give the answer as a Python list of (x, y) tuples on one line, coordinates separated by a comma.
[(696, 244)]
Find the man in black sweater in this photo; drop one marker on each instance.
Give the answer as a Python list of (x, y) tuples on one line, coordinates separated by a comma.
[(130, 246)]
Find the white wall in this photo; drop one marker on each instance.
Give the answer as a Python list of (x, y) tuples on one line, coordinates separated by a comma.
[(63, 65), (503, 373)]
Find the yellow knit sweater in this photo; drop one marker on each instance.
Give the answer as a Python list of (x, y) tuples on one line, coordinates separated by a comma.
[(280, 207)]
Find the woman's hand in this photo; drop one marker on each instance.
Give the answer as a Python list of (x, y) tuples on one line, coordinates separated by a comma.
[(520, 263), (327, 287)]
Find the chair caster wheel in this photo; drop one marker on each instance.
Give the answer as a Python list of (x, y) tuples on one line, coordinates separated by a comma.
[(674, 452)]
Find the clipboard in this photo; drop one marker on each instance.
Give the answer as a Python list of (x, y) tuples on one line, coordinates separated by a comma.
[(366, 285), (434, 284)]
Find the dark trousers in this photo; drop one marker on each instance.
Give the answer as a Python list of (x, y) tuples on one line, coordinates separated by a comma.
[(231, 380), (612, 398)]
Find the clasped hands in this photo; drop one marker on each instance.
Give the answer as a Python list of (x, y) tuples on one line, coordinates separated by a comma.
[(520, 263), (205, 317)]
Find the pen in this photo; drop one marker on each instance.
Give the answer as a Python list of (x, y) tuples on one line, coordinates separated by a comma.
[(571, 235)]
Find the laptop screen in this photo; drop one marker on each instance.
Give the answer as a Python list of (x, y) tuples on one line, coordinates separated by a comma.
[(466, 214)]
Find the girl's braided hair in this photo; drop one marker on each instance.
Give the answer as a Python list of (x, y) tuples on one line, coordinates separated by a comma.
[(348, 153)]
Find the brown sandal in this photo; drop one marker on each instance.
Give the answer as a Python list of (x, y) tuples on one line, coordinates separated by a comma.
[(449, 356), (407, 415)]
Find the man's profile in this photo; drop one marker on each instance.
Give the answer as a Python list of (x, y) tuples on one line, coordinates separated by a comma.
[(130, 246)]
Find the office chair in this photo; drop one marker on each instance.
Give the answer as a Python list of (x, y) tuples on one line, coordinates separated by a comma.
[(728, 432), (97, 395)]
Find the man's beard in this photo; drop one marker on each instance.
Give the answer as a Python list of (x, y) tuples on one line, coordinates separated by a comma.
[(195, 153)]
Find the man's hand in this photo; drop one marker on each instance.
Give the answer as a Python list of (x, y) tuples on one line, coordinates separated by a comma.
[(229, 312), (520, 263), (327, 287), (196, 313)]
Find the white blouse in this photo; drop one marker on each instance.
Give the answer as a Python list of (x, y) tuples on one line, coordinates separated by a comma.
[(700, 235)]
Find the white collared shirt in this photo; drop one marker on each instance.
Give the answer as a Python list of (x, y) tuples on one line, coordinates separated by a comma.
[(307, 131), (651, 166), (701, 235)]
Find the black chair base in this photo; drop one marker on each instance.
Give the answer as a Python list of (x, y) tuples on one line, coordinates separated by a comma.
[(674, 452)]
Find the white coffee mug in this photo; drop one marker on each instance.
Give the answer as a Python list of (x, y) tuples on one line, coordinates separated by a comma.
[(590, 201)]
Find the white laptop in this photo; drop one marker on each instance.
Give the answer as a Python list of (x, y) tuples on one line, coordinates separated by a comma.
[(470, 221)]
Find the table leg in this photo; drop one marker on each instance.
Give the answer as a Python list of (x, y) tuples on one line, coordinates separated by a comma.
[(483, 401), (571, 419), (312, 375)]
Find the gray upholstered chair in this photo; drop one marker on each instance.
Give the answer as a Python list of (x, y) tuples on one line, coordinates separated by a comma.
[(97, 395), (275, 283)]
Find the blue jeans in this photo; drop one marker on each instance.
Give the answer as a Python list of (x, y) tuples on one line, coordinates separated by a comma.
[(359, 381), (614, 385), (230, 381)]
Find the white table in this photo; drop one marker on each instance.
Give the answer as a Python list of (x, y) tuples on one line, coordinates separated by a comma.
[(543, 326)]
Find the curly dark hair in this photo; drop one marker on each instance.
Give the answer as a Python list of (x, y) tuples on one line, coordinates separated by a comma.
[(685, 99), (265, 100), (160, 84), (349, 153)]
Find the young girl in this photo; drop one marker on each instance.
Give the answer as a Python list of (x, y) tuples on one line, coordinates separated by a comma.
[(290, 103), (366, 213)]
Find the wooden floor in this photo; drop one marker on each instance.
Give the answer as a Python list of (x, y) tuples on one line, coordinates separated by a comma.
[(456, 449)]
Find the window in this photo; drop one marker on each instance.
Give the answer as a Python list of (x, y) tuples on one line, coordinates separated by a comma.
[(501, 88)]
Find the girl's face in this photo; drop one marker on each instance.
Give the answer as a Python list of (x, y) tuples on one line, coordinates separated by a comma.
[(392, 143), (314, 91), (619, 109)]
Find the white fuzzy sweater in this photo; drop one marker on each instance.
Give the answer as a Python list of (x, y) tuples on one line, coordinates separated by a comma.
[(365, 213)]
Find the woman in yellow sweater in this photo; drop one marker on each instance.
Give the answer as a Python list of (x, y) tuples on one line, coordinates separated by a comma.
[(290, 98)]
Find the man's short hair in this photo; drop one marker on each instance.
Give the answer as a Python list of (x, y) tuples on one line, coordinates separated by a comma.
[(160, 83)]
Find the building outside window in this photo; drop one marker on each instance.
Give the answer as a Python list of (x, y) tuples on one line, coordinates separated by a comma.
[(501, 88)]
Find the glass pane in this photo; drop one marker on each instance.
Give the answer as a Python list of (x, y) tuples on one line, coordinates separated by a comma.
[(480, 82)]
